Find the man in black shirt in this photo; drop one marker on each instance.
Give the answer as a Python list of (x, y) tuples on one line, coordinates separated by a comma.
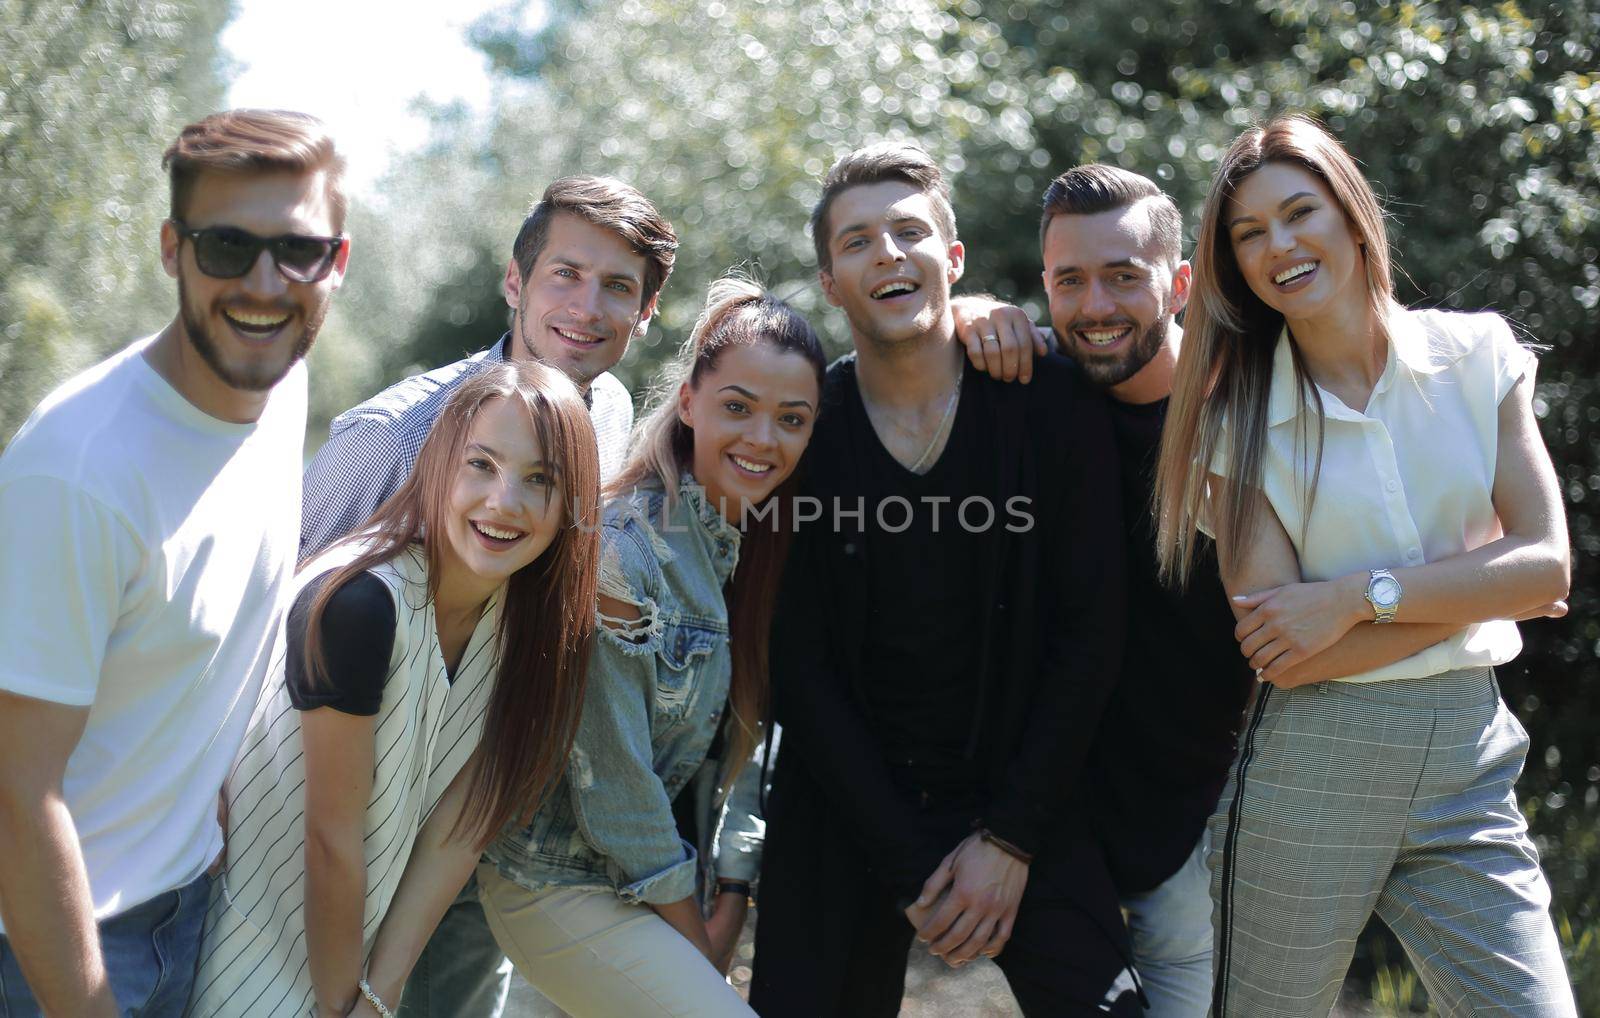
[(946, 637), (1115, 278)]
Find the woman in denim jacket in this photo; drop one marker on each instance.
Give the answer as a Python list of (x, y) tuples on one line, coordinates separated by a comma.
[(595, 901)]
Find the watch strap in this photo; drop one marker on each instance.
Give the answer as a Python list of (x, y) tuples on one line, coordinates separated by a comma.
[(1381, 613)]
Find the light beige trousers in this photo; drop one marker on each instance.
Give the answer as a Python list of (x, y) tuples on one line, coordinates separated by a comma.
[(595, 956)]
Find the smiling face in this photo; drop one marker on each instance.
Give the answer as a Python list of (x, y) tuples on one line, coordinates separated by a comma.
[(1112, 292), (581, 302), (505, 504), (1295, 247), (892, 270), (751, 414), (250, 330)]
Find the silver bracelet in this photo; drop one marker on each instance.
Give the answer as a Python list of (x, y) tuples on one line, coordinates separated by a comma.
[(372, 998)]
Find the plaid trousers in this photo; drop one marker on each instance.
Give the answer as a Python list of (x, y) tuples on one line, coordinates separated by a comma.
[(1395, 797)]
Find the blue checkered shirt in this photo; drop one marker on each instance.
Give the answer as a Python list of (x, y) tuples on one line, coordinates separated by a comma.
[(371, 447)]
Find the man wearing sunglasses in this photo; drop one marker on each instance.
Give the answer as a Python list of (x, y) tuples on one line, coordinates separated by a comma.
[(149, 513)]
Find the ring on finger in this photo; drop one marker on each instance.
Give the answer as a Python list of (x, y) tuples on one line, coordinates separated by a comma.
[(991, 338)]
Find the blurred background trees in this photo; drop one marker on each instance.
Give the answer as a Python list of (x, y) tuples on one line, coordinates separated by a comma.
[(91, 94), (1478, 124)]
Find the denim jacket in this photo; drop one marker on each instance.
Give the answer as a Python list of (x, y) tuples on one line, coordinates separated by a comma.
[(657, 691)]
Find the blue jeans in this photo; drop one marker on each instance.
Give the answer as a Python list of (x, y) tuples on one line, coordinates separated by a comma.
[(462, 972), (150, 953), (1171, 931)]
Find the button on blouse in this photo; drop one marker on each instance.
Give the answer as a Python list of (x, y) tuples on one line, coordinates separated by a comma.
[(1408, 480)]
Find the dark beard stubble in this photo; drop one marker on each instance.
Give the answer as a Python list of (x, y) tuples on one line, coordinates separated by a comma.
[(246, 381)]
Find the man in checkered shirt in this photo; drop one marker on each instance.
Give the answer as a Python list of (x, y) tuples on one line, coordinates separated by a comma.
[(583, 278)]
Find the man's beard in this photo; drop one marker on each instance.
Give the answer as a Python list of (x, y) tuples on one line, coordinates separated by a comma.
[(1108, 371), (252, 378)]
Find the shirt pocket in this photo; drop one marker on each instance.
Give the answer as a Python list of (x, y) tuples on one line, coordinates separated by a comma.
[(686, 650)]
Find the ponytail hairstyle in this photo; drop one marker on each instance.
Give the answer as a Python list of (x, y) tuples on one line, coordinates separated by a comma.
[(1223, 380), (548, 606), (738, 312)]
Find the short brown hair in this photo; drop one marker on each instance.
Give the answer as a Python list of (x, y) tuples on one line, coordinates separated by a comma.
[(1095, 187), (874, 164), (611, 205), (254, 141)]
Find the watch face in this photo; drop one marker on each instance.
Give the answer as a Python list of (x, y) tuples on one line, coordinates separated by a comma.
[(1386, 591)]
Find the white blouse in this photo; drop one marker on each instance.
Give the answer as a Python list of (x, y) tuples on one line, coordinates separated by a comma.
[(1409, 480)]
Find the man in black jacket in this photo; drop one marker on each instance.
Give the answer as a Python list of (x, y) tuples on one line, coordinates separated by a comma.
[(948, 632), (1115, 278)]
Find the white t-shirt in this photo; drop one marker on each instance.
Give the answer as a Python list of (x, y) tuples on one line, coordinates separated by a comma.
[(1407, 481), (145, 552)]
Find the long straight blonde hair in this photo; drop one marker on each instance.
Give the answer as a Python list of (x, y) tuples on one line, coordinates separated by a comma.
[(1223, 379)]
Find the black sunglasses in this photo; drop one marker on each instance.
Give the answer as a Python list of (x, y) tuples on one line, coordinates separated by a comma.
[(227, 252)]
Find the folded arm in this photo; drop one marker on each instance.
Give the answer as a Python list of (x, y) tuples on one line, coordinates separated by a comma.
[(1523, 574), (1269, 564)]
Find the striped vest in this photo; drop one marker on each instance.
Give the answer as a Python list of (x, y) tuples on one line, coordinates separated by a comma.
[(253, 958)]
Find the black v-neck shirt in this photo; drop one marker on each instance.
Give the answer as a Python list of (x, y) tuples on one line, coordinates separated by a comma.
[(920, 652)]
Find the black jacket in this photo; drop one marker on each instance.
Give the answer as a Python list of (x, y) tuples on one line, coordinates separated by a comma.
[(1049, 610)]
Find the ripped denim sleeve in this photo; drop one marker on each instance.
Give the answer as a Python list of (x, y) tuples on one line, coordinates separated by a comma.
[(636, 632), (619, 801)]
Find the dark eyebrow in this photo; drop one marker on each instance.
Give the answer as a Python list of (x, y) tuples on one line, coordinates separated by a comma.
[(573, 263), (1282, 204), (1120, 263), (492, 454), (747, 394), (852, 228), (896, 221)]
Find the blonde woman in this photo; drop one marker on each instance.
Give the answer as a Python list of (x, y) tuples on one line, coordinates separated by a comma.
[(1383, 508)]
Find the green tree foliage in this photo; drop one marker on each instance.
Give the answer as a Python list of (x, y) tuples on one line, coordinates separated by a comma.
[(1478, 122), (90, 95)]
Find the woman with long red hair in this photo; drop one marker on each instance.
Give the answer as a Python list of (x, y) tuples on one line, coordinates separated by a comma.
[(425, 692)]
